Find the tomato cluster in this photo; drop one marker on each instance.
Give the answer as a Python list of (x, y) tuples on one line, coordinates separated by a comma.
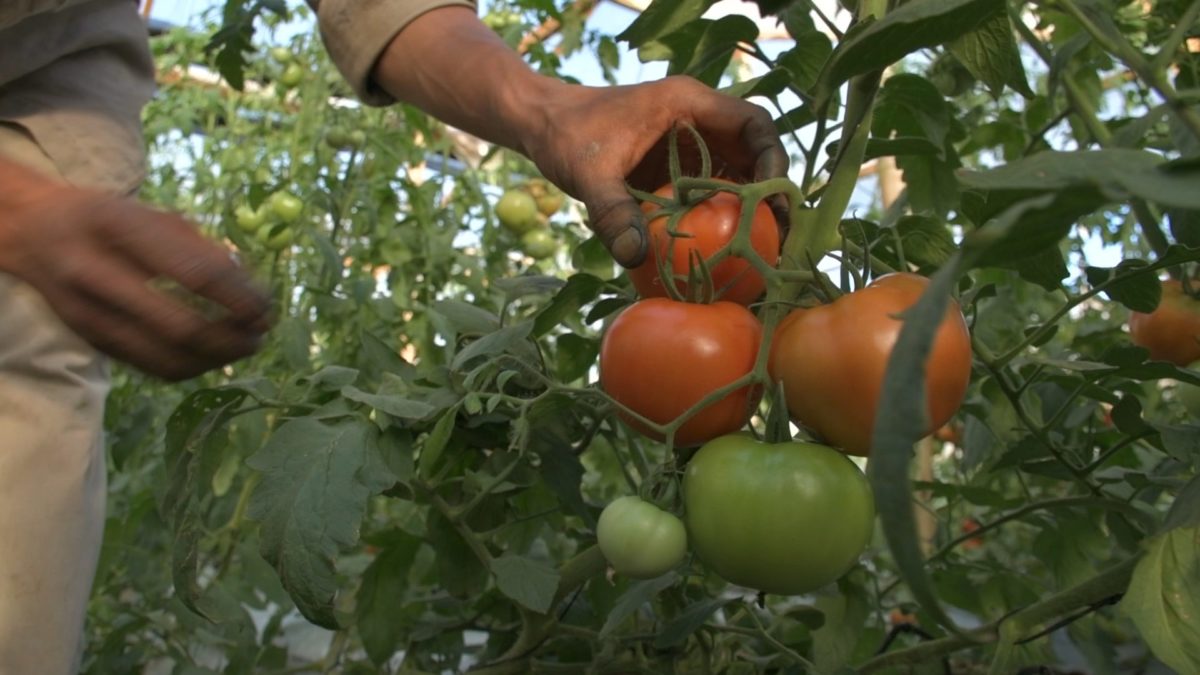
[(752, 509), (272, 224), (525, 211)]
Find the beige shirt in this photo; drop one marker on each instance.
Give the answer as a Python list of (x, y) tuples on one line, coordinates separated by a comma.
[(76, 73)]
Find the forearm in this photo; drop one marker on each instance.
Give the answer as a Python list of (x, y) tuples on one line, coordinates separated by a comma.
[(450, 65)]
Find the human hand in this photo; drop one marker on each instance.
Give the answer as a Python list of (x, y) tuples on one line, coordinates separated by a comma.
[(592, 140), (97, 261)]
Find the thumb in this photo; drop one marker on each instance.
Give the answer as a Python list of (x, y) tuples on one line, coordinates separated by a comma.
[(618, 220)]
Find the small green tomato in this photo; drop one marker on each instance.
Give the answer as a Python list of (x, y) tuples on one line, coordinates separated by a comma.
[(639, 539)]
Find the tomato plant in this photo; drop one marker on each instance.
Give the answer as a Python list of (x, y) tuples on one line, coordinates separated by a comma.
[(639, 539), (410, 476), (661, 357), (704, 229), (831, 360), (1172, 331)]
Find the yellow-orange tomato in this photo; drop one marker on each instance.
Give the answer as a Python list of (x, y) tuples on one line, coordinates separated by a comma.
[(660, 357), (831, 360), (1172, 331), (706, 228)]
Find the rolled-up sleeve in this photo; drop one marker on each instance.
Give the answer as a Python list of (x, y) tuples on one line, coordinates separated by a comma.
[(357, 31)]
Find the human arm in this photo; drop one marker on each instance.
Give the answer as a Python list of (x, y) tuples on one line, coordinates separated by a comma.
[(95, 258), (587, 140)]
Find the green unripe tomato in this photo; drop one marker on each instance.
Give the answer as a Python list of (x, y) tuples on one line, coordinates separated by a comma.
[(276, 237), (286, 206), (639, 539), (337, 138), (539, 244), (249, 220), (1189, 394), (783, 518), (517, 211), (282, 55), (292, 76), (549, 198)]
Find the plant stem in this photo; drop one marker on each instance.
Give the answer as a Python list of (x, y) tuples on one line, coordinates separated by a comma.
[(783, 649), (1014, 397)]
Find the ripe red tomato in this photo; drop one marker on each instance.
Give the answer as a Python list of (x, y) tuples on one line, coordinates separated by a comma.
[(784, 518), (707, 227), (832, 359), (660, 357), (1172, 331), (969, 525)]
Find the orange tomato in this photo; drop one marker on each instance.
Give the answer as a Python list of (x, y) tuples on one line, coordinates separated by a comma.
[(660, 357), (706, 228), (1172, 331), (831, 360)]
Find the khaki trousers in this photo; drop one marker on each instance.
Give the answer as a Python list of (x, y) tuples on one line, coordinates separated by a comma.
[(52, 470)]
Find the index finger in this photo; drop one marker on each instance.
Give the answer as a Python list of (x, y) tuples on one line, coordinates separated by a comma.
[(166, 245), (744, 133)]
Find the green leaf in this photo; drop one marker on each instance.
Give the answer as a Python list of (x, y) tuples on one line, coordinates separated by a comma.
[(915, 25), (465, 318), (638, 594), (191, 450), (900, 421), (458, 569), (688, 621), (501, 341), (843, 615), (575, 356), (396, 406), (606, 307), (768, 85), (1185, 225), (580, 290), (1185, 510), (1162, 599), (927, 241), (1116, 174), (909, 105), (317, 479), (1139, 292), (1046, 268), (526, 285), (703, 49), (990, 53), (893, 147), (663, 17), (1030, 226), (805, 60), (1181, 441), (527, 581), (382, 358), (378, 609), (435, 443)]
